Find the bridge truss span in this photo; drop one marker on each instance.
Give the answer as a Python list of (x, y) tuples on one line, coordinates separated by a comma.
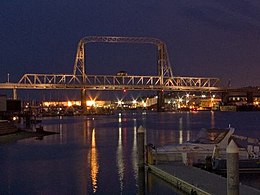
[(115, 82)]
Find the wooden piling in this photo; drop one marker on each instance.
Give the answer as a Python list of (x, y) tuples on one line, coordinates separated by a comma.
[(140, 145), (141, 160), (232, 169)]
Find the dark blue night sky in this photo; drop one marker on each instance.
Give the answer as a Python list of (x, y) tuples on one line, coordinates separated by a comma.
[(204, 38)]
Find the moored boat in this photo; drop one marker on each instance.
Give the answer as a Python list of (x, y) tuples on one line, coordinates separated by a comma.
[(209, 143)]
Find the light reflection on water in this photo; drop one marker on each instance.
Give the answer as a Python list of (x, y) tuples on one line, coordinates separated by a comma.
[(180, 131), (93, 159), (98, 155), (134, 152), (120, 159)]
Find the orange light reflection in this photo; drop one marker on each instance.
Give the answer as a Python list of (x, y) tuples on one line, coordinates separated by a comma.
[(94, 167)]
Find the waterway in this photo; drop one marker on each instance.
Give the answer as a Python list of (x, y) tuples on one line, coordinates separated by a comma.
[(98, 154)]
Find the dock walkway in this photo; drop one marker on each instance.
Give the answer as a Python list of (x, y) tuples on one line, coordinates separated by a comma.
[(196, 181)]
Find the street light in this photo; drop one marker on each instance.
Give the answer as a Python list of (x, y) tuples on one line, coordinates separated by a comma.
[(8, 77)]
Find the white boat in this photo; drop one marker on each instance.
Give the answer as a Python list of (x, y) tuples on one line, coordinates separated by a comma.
[(209, 142)]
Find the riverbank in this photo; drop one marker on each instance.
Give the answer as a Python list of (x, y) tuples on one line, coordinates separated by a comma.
[(22, 134)]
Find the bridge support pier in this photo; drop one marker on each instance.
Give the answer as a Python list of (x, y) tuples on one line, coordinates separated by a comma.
[(160, 101), (225, 97), (250, 98), (83, 99), (14, 94)]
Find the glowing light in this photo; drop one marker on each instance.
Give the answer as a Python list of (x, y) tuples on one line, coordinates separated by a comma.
[(187, 95), (203, 96), (119, 118), (45, 104), (69, 103), (91, 103), (134, 101), (120, 102), (77, 103)]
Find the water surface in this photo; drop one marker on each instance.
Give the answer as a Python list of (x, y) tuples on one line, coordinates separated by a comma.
[(98, 154)]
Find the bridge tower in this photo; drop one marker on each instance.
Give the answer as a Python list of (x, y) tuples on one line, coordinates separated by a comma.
[(79, 70), (163, 64)]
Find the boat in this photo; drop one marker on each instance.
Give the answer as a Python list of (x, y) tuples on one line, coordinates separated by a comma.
[(228, 108), (209, 143)]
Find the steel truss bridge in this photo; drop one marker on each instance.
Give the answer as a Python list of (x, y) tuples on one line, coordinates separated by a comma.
[(113, 82), (164, 80)]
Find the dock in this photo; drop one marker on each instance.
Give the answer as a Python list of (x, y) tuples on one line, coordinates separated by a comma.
[(194, 180)]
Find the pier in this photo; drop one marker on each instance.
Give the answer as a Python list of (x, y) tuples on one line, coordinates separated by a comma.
[(194, 180)]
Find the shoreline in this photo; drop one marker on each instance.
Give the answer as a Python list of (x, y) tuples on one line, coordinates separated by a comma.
[(23, 134)]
